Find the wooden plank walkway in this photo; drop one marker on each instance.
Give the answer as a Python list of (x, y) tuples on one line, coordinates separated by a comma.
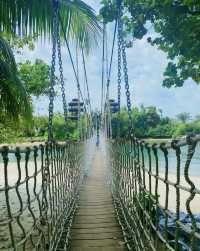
[(95, 226)]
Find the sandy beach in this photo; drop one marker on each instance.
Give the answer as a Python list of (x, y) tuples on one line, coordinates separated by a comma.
[(22, 145), (184, 195), (27, 220)]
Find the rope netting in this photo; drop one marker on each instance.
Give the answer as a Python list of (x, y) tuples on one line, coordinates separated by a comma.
[(157, 209), (155, 192), (39, 185), (39, 189)]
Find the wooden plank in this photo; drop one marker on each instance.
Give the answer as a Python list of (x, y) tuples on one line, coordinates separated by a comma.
[(100, 211), (98, 215), (96, 207), (111, 229), (96, 202), (94, 220), (97, 243), (97, 236), (107, 248), (95, 226), (92, 203)]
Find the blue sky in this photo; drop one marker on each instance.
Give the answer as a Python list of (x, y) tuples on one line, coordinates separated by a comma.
[(146, 65)]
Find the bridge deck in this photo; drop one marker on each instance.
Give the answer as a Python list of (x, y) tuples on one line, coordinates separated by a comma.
[(95, 226)]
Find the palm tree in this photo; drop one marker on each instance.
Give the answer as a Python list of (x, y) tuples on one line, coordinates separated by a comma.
[(35, 17), (19, 17), (183, 117), (14, 100)]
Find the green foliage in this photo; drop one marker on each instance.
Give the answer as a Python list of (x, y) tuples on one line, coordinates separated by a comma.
[(177, 26), (162, 131), (109, 11), (59, 128), (31, 17), (8, 133), (183, 117), (36, 77), (17, 42), (187, 128), (21, 19), (41, 125), (149, 122), (61, 132), (146, 122), (149, 203), (14, 101), (37, 130)]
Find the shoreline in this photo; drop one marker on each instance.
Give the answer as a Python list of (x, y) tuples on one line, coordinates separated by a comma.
[(184, 195), (37, 141), (172, 196), (162, 187), (22, 144)]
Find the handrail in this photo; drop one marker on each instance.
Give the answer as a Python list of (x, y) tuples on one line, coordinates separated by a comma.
[(143, 192), (38, 193)]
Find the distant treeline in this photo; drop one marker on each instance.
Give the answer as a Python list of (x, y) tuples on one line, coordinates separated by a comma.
[(37, 130), (150, 122)]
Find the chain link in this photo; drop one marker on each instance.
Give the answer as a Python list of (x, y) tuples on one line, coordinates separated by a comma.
[(119, 69), (52, 73), (62, 82), (122, 46), (119, 79)]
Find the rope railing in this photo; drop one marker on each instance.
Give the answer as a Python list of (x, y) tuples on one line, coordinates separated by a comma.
[(156, 196), (38, 192)]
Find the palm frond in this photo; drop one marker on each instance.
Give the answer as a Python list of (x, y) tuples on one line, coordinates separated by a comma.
[(7, 55), (14, 100), (35, 17), (26, 17), (80, 22)]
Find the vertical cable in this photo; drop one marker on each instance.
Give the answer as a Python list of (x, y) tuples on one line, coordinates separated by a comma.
[(103, 66)]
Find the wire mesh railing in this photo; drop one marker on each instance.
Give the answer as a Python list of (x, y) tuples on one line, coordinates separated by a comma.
[(38, 192), (156, 195)]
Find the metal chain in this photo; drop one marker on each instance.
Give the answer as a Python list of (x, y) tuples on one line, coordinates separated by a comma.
[(125, 68), (103, 71), (108, 71), (52, 73), (119, 69), (119, 80), (78, 95), (72, 61), (86, 81), (62, 82)]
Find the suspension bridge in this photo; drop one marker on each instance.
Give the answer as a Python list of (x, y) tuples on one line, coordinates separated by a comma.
[(79, 195)]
